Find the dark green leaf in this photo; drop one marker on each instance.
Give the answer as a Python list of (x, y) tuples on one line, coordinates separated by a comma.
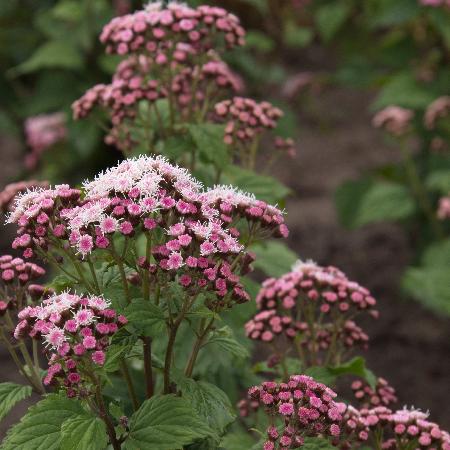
[(146, 317), (331, 17), (165, 423), (83, 432), (224, 338), (10, 394), (40, 428), (273, 257)]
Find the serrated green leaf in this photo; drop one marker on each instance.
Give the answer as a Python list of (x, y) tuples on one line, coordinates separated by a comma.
[(114, 354), (208, 137), (224, 338), (146, 317), (210, 402), (274, 258), (10, 394), (40, 428), (165, 423), (83, 432)]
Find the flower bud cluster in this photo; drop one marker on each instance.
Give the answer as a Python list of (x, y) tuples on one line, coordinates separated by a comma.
[(38, 216), (16, 276), (11, 190), (305, 406), (436, 110), (42, 132), (394, 119), (444, 208), (76, 331), (286, 146), (246, 119), (314, 304), (158, 28), (382, 395)]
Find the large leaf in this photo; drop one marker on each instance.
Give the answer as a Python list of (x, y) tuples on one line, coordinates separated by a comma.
[(328, 375), (439, 180), (363, 202), (10, 394), (146, 317), (53, 54), (274, 258), (208, 138), (210, 402), (224, 338), (165, 423), (40, 428), (264, 187), (331, 17), (83, 432)]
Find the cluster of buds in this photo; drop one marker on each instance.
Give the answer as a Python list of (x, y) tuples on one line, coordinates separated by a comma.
[(398, 430), (437, 110), (305, 407), (158, 28), (77, 332), (444, 208), (16, 276), (286, 146), (382, 395), (394, 119), (315, 306), (38, 214), (42, 132), (11, 190)]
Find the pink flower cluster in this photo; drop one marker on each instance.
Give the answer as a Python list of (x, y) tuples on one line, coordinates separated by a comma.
[(444, 208), (436, 110), (158, 28), (16, 276), (246, 119), (286, 146), (306, 408), (435, 3), (394, 119), (10, 191), (76, 331), (382, 395), (314, 303), (38, 215), (42, 132), (402, 429)]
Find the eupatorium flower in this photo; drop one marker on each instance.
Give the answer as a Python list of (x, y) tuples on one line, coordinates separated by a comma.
[(158, 28), (11, 190), (436, 110), (42, 132), (394, 119), (76, 332), (444, 208), (382, 395), (315, 306), (304, 406)]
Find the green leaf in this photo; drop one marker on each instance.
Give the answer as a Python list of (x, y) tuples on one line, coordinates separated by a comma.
[(114, 354), (274, 258), (331, 17), (328, 375), (363, 202), (317, 444), (259, 41), (146, 317), (439, 180), (177, 146), (83, 432), (165, 423), (264, 187), (210, 402), (224, 338), (40, 428), (208, 137), (10, 394), (297, 37), (53, 54), (237, 441)]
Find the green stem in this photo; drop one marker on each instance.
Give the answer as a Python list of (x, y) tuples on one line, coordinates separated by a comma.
[(106, 418), (121, 271), (94, 276), (420, 192), (196, 348), (147, 344), (129, 382)]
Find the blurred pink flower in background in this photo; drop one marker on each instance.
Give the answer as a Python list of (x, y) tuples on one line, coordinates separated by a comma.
[(42, 132), (393, 119), (444, 208)]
